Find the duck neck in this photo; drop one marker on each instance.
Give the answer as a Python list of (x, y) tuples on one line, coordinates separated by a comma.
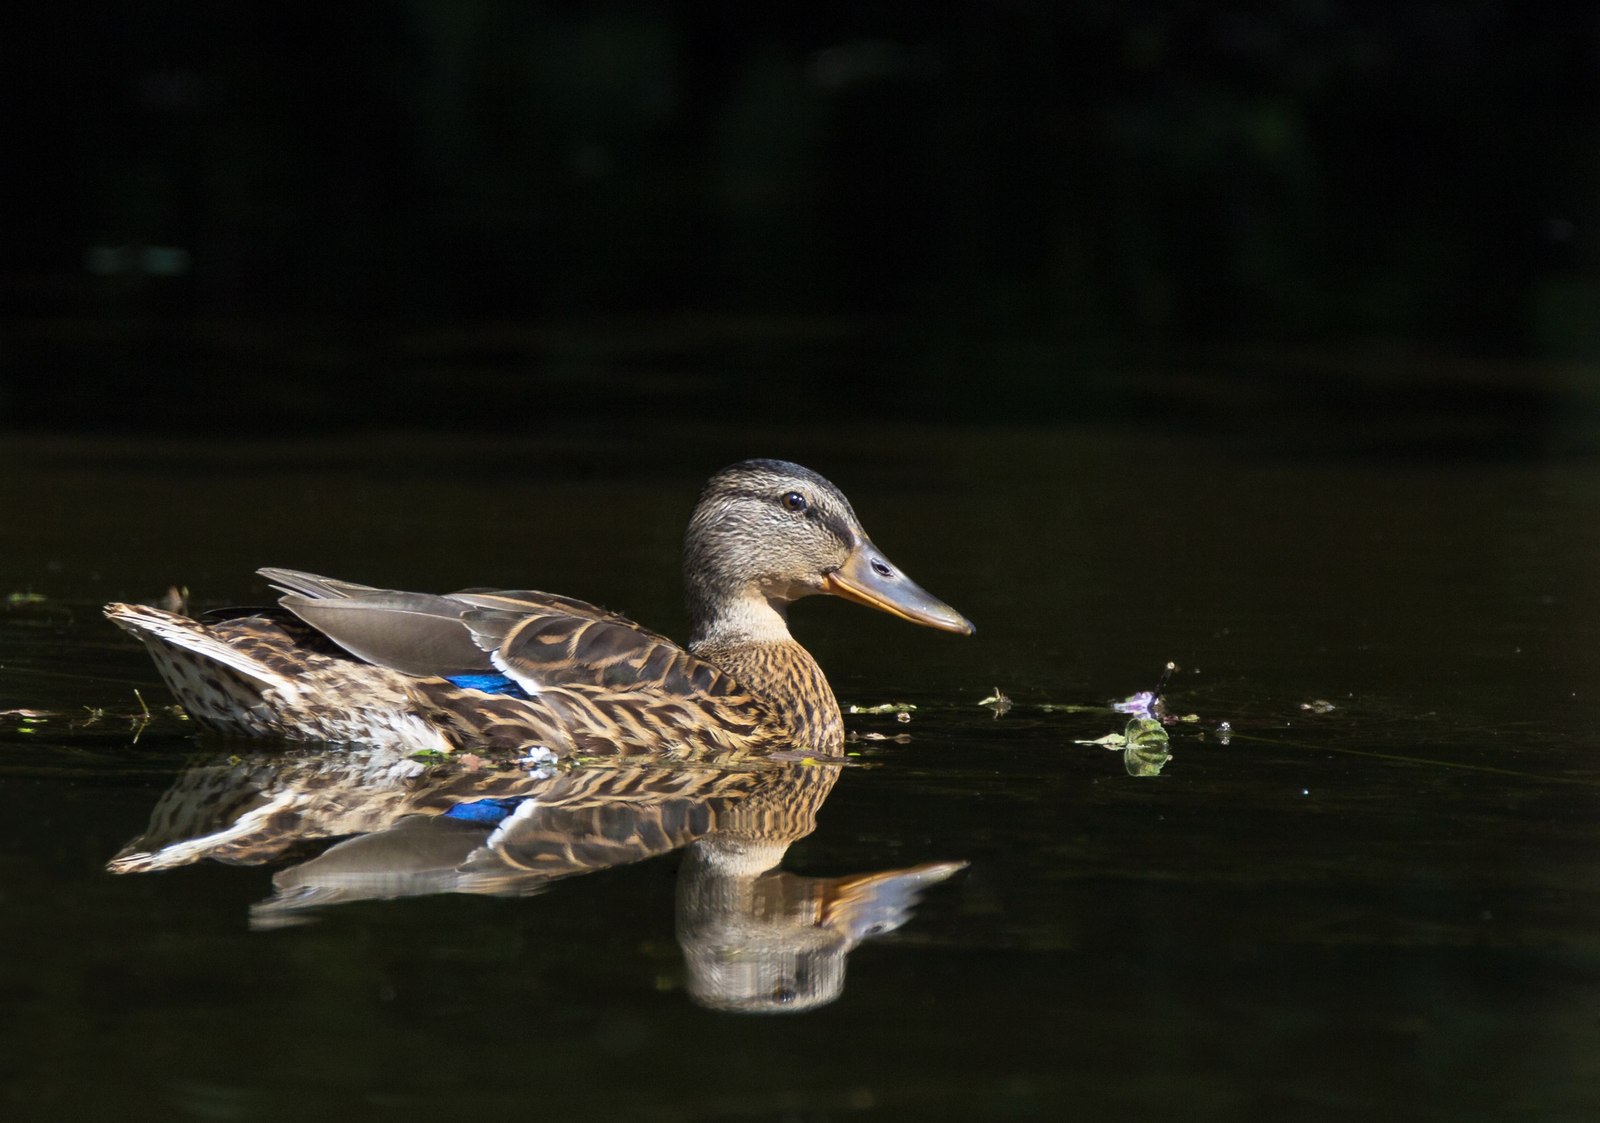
[(749, 639)]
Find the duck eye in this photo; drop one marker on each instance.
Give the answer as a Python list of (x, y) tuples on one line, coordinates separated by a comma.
[(794, 501)]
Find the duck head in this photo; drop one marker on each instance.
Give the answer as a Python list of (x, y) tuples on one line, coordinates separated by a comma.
[(766, 533)]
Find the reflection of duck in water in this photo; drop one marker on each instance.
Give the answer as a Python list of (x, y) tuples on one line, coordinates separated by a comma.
[(496, 670), (754, 938)]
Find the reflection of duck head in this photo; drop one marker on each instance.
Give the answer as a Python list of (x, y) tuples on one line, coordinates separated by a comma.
[(757, 940)]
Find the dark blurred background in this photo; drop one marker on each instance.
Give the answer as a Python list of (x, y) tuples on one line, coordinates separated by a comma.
[(483, 213)]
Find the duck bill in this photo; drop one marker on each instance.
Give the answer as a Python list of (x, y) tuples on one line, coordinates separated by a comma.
[(868, 578)]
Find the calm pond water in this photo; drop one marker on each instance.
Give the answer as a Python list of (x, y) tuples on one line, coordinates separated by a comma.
[(1374, 894)]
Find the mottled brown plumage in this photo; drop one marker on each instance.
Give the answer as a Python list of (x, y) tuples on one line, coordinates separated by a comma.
[(342, 662)]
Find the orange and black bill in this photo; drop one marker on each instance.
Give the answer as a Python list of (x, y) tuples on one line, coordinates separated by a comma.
[(868, 578)]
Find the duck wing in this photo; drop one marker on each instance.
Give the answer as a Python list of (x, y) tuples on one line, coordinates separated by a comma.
[(536, 639), (417, 633), (542, 647)]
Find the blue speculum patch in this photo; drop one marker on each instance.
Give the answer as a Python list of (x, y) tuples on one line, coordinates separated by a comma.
[(489, 684), (489, 811)]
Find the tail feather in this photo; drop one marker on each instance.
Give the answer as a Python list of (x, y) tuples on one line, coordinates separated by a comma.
[(252, 676), (156, 627)]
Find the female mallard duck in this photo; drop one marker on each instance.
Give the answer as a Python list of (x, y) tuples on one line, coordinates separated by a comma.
[(504, 670)]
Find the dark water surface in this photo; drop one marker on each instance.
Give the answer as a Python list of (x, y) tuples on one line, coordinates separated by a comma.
[(1375, 895)]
